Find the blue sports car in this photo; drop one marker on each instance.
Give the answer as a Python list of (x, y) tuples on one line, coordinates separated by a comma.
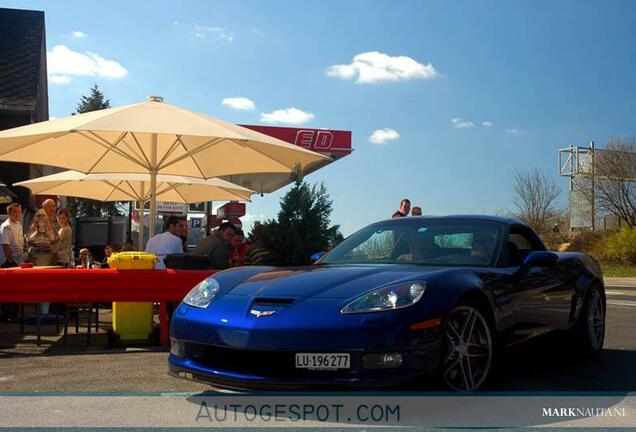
[(396, 300)]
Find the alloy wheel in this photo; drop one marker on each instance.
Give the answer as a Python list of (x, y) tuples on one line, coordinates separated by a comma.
[(469, 349), (595, 320)]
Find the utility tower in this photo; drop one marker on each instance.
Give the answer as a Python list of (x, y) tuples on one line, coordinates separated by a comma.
[(595, 176), (576, 163)]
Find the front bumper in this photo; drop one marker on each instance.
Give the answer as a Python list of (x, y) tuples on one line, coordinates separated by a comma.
[(229, 347), (250, 369)]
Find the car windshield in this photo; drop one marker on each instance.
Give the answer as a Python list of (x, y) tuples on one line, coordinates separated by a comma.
[(420, 241)]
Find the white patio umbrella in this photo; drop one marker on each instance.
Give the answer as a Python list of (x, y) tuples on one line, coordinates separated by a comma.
[(6, 196), (136, 187), (154, 138)]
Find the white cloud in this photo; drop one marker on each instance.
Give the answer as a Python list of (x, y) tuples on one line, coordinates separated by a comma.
[(462, 124), (382, 136), (79, 35), (59, 79), (288, 116), (375, 67), (62, 61), (486, 124), (202, 32), (239, 103), (514, 131)]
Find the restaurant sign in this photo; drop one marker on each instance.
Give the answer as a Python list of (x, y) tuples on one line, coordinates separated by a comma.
[(171, 208)]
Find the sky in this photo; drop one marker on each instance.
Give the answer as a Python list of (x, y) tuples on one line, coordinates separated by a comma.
[(446, 101)]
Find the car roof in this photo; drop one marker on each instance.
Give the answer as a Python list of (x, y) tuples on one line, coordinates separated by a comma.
[(485, 218)]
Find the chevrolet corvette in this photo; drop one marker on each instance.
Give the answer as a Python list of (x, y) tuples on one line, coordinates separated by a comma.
[(399, 299)]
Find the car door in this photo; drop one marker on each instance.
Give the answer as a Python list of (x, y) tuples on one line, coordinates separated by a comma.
[(541, 297)]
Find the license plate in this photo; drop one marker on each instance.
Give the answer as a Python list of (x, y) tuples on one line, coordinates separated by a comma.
[(322, 361)]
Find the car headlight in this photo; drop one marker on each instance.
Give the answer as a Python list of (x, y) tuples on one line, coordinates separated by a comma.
[(202, 295), (387, 298)]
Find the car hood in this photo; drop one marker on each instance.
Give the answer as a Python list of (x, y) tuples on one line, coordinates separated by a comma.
[(328, 281)]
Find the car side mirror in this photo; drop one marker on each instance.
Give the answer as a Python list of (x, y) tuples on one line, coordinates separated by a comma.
[(315, 257), (540, 259)]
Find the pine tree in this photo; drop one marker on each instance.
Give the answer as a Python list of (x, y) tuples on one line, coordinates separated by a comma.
[(84, 207), (302, 226), (95, 101)]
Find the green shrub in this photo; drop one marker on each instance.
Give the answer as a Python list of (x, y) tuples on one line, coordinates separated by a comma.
[(621, 247)]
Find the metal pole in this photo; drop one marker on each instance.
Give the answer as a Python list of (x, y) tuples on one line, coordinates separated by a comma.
[(593, 186), (153, 185), (142, 227)]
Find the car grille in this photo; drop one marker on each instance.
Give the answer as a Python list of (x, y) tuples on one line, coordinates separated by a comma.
[(250, 362)]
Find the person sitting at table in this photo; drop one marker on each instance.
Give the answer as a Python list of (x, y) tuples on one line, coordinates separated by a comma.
[(108, 251), (86, 259), (65, 238), (168, 242)]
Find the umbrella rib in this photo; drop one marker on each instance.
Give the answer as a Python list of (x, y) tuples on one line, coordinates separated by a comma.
[(116, 187), (33, 142), (191, 153), (179, 193), (110, 147), (132, 149), (172, 148), (121, 137), (132, 189), (234, 192), (140, 148)]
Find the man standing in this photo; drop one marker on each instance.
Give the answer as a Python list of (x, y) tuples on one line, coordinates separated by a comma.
[(405, 208), (168, 242), (50, 208), (12, 238), (217, 246)]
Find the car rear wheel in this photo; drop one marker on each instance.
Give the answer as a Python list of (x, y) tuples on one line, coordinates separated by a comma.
[(590, 332), (468, 353)]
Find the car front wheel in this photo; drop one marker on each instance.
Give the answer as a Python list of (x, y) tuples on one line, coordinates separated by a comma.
[(468, 353), (590, 331)]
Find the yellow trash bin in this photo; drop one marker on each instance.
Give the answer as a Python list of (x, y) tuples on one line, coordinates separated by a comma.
[(132, 321)]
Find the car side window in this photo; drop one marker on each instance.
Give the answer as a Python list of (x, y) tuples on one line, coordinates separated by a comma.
[(520, 244)]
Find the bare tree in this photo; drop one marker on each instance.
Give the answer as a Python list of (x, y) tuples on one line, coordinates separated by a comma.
[(535, 200), (615, 179)]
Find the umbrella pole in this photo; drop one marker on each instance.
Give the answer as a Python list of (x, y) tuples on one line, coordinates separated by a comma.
[(153, 185), (142, 216)]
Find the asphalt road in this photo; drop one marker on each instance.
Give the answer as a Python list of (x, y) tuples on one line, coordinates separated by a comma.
[(542, 365)]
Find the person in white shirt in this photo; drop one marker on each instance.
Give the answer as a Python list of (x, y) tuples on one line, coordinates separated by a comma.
[(168, 242), (12, 238)]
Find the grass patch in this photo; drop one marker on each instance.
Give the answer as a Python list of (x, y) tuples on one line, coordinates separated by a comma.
[(612, 270)]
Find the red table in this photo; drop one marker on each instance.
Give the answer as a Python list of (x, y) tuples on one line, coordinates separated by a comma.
[(19, 285)]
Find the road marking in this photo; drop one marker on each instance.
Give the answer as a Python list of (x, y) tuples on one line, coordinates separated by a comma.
[(623, 293), (621, 303)]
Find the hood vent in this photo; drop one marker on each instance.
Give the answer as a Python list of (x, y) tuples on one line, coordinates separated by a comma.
[(273, 301)]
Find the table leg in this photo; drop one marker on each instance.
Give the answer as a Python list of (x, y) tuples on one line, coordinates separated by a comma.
[(90, 324), (65, 324), (21, 318), (39, 325), (163, 322)]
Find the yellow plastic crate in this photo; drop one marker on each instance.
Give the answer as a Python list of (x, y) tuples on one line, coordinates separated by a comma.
[(132, 261), (132, 321)]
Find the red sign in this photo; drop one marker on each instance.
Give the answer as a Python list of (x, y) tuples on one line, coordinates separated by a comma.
[(318, 140), (231, 210)]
